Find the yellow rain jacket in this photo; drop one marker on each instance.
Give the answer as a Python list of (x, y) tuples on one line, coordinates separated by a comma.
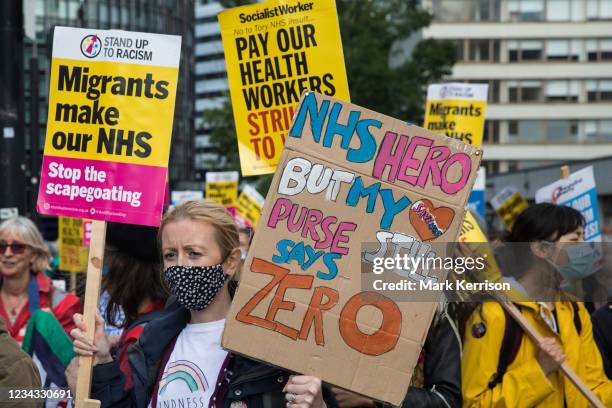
[(524, 384)]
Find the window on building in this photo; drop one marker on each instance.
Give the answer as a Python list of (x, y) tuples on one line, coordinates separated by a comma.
[(491, 132), (561, 131), (599, 50), (605, 90), (479, 50), (526, 131), (592, 48), (496, 50), (530, 131), (598, 131), (562, 91), (513, 51), (526, 10), (531, 91), (599, 90), (577, 10), (513, 91), (575, 50), (590, 130), (484, 10), (525, 50), (558, 10), (494, 91), (531, 50), (605, 130), (524, 91), (599, 9), (558, 50), (103, 14), (125, 16), (459, 54), (605, 50), (114, 18), (448, 11)]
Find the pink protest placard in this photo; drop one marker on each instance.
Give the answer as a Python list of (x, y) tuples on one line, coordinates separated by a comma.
[(111, 107)]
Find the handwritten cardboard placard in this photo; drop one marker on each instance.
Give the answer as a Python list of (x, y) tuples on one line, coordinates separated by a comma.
[(457, 110), (347, 176), (274, 50), (111, 106), (222, 187)]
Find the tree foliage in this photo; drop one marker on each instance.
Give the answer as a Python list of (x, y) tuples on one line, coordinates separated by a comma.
[(370, 29)]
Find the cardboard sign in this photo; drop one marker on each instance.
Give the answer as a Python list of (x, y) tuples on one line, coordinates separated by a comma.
[(274, 50), (476, 200), (222, 187), (111, 105), (74, 238), (180, 196), (457, 110), (508, 204), (249, 206), (579, 192), (347, 176)]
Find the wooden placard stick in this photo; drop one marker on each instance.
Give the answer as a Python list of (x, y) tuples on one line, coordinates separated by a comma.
[(565, 171), (538, 339), (92, 295)]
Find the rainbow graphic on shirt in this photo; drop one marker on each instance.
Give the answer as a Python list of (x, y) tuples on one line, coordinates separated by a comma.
[(186, 371)]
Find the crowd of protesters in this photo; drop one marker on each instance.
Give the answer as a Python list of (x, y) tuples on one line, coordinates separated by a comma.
[(166, 293)]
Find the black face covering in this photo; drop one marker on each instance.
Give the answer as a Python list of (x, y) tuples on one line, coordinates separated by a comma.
[(195, 287)]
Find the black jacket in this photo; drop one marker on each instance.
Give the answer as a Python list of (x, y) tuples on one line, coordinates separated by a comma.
[(258, 385), (442, 370), (602, 332)]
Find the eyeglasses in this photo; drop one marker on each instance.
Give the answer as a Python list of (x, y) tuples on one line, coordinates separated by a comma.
[(16, 247)]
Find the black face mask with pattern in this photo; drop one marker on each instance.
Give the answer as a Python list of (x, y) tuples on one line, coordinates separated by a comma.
[(195, 287)]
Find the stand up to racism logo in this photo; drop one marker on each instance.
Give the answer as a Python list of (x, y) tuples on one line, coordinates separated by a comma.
[(91, 46)]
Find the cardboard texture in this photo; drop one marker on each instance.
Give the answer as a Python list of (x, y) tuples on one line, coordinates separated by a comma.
[(301, 304)]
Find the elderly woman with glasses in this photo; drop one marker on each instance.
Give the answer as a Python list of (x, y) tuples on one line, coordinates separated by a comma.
[(24, 287)]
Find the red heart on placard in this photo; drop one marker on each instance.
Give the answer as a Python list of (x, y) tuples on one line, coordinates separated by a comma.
[(429, 222)]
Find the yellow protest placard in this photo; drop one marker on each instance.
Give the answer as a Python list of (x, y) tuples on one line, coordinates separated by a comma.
[(508, 204), (111, 107), (73, 240), (273, 51), (249, 205), (457, 110), (222, 187)]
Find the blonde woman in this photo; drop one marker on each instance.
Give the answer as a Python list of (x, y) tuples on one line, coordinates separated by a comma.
[(24, 287), (178, 360)]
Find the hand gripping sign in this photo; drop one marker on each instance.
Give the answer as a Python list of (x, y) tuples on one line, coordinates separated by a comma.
[(346, 176), (111, 104)]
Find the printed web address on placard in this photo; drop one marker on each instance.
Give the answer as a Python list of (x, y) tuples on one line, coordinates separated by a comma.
[(85, 210)]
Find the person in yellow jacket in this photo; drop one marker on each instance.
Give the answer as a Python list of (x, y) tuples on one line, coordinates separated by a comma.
[(501, 368)]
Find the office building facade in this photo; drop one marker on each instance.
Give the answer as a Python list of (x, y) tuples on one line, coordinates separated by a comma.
[(548, 64)]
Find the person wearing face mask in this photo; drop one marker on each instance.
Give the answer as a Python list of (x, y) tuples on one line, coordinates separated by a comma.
[(502, 366), (178, 360)]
